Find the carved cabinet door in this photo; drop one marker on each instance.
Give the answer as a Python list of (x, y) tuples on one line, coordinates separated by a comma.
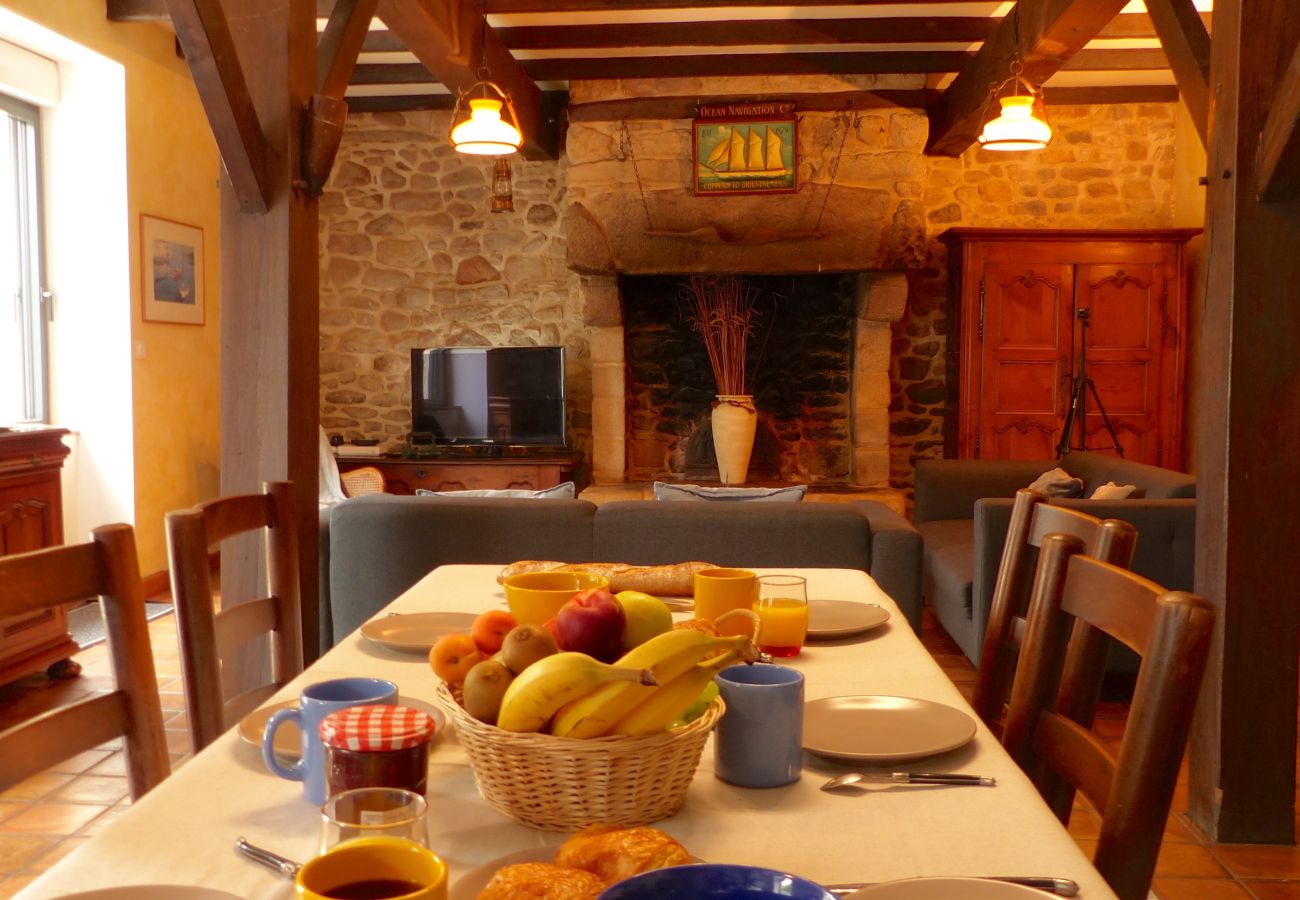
[(1014, 356)]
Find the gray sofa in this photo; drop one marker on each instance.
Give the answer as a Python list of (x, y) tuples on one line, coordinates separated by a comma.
[(963, 509), (377, 546)]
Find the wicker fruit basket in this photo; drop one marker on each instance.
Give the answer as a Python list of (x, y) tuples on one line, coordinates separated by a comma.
[(564, 784)]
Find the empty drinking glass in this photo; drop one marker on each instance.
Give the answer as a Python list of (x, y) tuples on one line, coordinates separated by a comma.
[(373, 812)]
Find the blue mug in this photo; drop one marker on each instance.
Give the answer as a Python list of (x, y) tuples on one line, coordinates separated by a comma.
[(759, 740), (318, 701)]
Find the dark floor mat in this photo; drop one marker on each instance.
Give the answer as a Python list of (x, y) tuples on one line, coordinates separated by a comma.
[(87, 625)]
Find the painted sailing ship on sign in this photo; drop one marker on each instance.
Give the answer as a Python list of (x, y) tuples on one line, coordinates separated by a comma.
[(746, 156)]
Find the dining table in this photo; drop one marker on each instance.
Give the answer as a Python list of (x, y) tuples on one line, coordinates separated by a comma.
[(183, 832)]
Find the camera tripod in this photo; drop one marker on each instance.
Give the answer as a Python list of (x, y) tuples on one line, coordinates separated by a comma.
[(1080, 387)]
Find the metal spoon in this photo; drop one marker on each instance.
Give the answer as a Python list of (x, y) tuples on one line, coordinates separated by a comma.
[(274, 861), (1062, 887), (852, 778)]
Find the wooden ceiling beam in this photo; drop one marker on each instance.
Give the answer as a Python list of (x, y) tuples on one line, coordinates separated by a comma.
[(451, 39), (1279, 145), (1050, 32), (753, 31), (1186, 44), (205, 37), (137, 11), (703, 64), (554, 6), (339, 45)]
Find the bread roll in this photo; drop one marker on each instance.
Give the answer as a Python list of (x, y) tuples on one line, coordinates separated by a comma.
[(676, 580), (542, 881)]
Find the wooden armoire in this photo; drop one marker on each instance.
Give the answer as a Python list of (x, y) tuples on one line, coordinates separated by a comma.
[(1015, 331)]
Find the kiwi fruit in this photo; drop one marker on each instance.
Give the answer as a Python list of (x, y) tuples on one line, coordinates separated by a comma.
[(485, 686), (525, 645)]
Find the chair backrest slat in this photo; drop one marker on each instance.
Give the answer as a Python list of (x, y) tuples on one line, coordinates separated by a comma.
[(1133, 788), (106, 568), (1032, 519), (206, 636)]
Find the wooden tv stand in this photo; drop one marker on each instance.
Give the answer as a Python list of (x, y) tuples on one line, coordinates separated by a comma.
[(457, 473)]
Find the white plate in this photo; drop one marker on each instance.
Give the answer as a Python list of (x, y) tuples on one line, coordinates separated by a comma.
[(288, 740), (828, 619), (416, 632), (153, 892), (882, 729), (947, 889)]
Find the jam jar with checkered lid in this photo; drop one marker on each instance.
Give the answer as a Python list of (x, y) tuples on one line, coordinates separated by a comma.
[(377, 746)]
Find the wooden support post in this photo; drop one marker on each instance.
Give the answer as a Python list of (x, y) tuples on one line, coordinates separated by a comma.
[(270, 312), (1279, 146), (1248, 437)]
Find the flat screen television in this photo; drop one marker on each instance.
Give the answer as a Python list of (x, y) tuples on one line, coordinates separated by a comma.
[(489, 396)]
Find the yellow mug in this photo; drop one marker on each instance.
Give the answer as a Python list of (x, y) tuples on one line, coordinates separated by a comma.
[(720, 590), (380, 867)]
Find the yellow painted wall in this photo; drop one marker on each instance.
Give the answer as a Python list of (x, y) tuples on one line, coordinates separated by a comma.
[(172, 171)]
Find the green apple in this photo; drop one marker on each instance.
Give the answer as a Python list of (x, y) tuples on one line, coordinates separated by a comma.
[(645, 617)]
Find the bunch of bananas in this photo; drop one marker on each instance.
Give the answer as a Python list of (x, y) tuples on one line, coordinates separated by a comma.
[(573, 695)]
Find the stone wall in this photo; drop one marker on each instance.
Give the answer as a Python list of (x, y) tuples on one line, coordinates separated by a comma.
[(411, 257), (1107, 167)]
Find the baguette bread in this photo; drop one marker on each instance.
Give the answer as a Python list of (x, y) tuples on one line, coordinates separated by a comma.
[(677, 580)]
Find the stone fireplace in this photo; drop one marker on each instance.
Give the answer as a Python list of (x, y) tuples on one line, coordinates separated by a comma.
[(855, 225)]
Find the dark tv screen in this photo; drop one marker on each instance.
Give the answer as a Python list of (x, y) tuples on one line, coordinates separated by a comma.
[(489, 395)]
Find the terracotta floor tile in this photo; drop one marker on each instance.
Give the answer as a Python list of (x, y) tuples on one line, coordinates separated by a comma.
[(13, 885), (75, 765), (101, 789), (36, 787), (179, 742), (1085, 824), (11, 808), (18, 850), (114, 764), (1273, 890), (1259, 860), (60, 850), (51, 818), (1199, 889), (96, 825), (172, 701), (1187, 861)]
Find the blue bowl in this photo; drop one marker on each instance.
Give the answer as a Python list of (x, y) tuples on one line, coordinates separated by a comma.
[(715, 881)]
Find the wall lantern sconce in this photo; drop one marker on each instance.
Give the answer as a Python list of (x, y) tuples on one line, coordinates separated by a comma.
[(503, 196), (484, 122), (1022, 122)]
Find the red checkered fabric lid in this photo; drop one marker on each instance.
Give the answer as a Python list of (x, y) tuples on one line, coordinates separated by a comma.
[(376, 727)]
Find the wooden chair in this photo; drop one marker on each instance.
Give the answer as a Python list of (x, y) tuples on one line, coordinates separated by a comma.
[(1032, 519), (1133, 789), (106, 567), (366, 480), (208, 637)]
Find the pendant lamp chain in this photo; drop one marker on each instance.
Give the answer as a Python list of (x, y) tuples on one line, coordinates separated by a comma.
[(626, 151)]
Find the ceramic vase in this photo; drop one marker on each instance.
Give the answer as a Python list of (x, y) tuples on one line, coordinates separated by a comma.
[(734, 423)]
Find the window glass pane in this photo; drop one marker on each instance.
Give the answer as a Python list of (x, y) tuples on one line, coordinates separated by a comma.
[(22, 327)]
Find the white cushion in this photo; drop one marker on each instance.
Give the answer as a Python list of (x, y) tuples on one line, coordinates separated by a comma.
[(792, 494), (1058, 483), (1112, 491), (562, 491)]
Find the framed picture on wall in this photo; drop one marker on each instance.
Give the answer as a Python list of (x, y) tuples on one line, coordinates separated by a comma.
[(172, 274), (746, 148)]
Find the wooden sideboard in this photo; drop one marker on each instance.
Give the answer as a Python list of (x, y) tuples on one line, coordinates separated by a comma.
[(31, 517), (442, 473)]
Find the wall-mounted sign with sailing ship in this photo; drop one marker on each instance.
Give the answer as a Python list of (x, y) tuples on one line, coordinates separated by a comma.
[(745, 149)]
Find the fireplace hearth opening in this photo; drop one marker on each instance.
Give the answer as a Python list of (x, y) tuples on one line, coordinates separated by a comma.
[(800, 373)]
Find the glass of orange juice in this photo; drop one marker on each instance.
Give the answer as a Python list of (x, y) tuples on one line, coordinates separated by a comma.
[(782, 608)]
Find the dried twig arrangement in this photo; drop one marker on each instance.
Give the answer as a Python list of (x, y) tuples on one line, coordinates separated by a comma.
[(721, 309)]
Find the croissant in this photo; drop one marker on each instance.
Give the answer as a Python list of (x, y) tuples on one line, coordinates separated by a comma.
[(617, 853), (541, 881)]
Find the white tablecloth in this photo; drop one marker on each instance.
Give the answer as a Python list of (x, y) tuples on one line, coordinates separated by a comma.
[(183, 832)]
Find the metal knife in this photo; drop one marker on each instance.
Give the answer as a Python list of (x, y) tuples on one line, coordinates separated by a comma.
[(851, 778), (1062, 887)]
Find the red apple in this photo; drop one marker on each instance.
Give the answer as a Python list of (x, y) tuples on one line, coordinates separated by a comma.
[(592, 622)]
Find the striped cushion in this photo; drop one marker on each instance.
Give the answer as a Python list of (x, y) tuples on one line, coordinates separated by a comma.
[(792, 494), (562, 491)]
